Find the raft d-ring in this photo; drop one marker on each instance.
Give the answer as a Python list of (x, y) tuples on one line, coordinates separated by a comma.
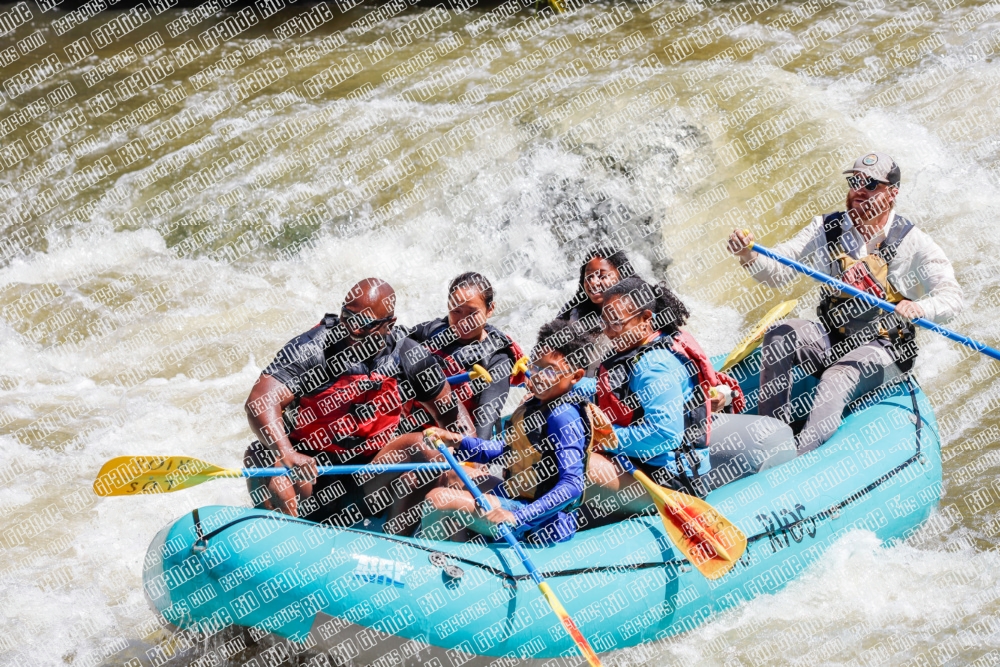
[(199, 546), (684, 567), (835, 513), (923, 459), (440, 560)]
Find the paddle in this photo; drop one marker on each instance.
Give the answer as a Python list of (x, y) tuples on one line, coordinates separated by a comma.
[(753, 339), (468, 376), (875, 301), (706, 538), (138, 475), (508, 537), (520, 366)]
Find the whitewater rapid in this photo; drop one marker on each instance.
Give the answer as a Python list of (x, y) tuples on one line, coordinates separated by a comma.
[(137, 314)]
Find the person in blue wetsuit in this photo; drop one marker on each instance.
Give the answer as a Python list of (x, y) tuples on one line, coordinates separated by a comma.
[(664, 398), (544, 451)]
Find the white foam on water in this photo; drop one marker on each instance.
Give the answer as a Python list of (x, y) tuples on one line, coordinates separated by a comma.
[(900, 592)]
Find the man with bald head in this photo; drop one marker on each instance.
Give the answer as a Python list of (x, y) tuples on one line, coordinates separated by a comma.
[(338, 386)]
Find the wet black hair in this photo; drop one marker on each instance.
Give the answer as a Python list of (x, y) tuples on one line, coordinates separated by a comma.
[(569, 339), (669, 312), (474, 280), (580, 301)]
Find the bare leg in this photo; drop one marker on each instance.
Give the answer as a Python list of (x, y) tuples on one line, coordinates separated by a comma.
[(401, 493), (449, 413), (453, 508), (611, 490)]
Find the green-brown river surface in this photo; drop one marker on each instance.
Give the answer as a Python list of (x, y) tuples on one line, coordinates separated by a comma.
[(177, 202)]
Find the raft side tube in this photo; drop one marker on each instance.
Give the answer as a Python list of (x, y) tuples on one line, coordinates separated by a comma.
[(352, 593)]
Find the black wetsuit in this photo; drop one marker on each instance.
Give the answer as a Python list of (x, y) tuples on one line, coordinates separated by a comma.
[(426, 370)]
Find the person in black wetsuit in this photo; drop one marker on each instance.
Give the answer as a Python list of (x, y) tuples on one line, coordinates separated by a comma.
[(433, 351), (330, 396)]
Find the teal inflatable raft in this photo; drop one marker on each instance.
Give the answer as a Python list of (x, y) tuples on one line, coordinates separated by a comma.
[(368, 598)]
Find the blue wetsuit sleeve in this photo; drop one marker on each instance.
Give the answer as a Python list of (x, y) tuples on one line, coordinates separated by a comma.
[(662, 383), (586, 387), (566, 429), (478, 450)]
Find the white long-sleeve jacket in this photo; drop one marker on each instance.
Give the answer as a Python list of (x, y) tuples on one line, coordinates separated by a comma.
[(920, 271)]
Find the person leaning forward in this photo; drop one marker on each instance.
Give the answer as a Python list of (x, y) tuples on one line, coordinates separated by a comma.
[(341, 378), (854, 348)]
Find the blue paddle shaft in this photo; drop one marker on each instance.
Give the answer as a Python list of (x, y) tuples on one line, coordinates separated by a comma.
[(458, 379), (502, 528), (351, 470), (873, 300)]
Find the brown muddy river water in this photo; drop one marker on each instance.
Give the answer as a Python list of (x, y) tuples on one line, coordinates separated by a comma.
[(184, 191)]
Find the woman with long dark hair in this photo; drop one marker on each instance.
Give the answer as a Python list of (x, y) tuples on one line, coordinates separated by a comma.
[(665, 400), (433, 351), (603, 267)]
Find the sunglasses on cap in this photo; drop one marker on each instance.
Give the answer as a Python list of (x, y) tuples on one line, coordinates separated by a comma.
[(361, 321), (858, 182)]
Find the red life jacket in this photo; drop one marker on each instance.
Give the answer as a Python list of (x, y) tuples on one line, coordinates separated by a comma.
[(623, 407), (358, 412), (355, 407)]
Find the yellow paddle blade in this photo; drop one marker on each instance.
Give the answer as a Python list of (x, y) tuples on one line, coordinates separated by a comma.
[(520, 366), (557, 6), (707, 539), (753, 339), (137, 475), (480, 372)]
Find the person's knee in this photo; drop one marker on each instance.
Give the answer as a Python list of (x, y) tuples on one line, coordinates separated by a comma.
[(778, 447), (440, 499), (838, 381), (602, 472), (770, 433), (779, 342), (779, 330)]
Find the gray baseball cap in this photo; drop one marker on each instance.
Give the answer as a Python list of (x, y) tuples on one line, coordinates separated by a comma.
[(877, 166)]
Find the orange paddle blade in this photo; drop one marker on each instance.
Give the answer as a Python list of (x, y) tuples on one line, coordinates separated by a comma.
[(707, 539), (574, 632)]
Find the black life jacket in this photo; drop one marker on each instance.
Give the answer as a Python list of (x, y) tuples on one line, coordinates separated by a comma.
[(851, 322), (462, 358)]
